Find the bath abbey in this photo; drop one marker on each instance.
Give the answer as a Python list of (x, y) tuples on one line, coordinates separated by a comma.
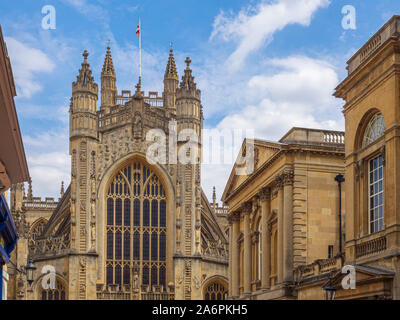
[(124, 228), (315, 216)]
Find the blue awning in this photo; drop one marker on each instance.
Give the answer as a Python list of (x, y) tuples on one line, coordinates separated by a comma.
[(8, 232)]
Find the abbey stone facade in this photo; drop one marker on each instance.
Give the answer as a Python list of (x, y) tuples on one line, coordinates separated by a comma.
[(124, 228)]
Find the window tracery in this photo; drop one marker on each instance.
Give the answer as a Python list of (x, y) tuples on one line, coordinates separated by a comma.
[(136, 226)]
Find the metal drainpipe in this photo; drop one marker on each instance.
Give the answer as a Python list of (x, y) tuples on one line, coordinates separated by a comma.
[(340, 179)]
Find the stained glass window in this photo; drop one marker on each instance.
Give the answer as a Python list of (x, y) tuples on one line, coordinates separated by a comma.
[(136, 214), (110, 212), (154, 213), (127, 246), (127, 213), (146, 213)]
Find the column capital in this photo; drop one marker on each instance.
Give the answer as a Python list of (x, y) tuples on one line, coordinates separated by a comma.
[(246, 207), (278, 182), (255, 236), (287, 177), (264, 194), (233, 217)]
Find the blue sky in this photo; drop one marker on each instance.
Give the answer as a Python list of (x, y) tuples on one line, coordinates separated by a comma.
[(268, 65)]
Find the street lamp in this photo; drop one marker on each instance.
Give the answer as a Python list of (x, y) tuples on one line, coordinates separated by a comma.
[(30, 269), (27, 270), (330, 291)]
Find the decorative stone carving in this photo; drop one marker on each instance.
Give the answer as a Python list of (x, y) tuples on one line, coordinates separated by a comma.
[(278, 183), (264, 194), (21, 224), (288, 177), (137, 127), (246, 207), (73, 164), (196, 282)]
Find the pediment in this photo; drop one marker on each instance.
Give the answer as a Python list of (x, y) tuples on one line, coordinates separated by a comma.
[(264, 151)]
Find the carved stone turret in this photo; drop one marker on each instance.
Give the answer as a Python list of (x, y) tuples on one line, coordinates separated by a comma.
[(108, 82), (170, 83)]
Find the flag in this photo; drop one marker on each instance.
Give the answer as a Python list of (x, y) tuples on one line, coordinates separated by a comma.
[(138, 29)]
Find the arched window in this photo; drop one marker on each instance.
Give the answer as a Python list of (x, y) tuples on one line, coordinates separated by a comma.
[(37, 228), (36, 231), (136, 226), (215, 291), (374, 130), (59, 293)]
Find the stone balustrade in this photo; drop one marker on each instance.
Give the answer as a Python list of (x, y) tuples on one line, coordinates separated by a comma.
[(372, 246), (316, 137), (127, 292), (318, 267)]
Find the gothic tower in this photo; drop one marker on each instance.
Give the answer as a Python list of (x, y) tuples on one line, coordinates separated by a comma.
[(170, 83), (108, 82), (83, 148), (188, 220)]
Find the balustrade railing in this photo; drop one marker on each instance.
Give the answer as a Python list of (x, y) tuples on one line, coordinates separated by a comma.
[(371, 247)]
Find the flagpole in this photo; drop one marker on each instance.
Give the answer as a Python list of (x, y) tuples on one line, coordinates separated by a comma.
[(140, 52)]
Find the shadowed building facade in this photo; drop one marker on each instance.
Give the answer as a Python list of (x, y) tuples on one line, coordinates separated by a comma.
[(372, 114), (284, 213), (126, 228)]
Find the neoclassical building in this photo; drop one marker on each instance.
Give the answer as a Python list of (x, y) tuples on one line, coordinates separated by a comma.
[(285, 213), (127, 227), (372, 114)]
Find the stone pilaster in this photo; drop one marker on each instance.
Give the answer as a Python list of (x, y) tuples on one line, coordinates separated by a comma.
[(235, 255), (287, 178), (265, 198), (247, 265), (279, 187)]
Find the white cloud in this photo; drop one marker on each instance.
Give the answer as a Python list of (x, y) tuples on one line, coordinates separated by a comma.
[(94, 12), (48, 161), (26, 63), (254, 26), (297, 94)]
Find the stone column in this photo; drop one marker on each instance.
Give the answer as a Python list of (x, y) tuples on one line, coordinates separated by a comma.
[(278, 183), (287, 178), (235, 255), (265, 199), (247, 270)]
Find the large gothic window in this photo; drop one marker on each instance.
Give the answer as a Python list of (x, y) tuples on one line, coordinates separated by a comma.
[(136, 216), (375, 129)]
